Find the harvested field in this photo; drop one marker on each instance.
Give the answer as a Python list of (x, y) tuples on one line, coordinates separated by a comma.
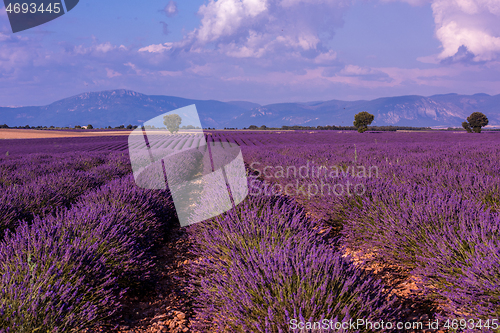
[(11, 133)]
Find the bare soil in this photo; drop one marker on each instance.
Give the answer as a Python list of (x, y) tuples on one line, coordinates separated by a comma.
[(165, 305)]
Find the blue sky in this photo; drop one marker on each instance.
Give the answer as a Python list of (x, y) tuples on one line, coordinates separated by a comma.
[(264, 51)]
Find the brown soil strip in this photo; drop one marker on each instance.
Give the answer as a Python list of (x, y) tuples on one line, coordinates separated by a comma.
[(164, 306), (414, 306)]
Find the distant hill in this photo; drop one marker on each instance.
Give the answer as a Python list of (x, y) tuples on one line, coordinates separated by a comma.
[(245, 105), (113, 108), (117, 107), (417, 111)]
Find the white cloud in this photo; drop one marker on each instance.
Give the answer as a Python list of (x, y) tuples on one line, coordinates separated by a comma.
[(365, 73), (111, 73), (254, 28), (480, 43), (470, 24), (106, 47), (355, 70), (235, 51), (156, 48), (17, 52), (303, 41), (473, 24), (103, 47), (225, 17), (137, 71), (171, 73), (326, 57)]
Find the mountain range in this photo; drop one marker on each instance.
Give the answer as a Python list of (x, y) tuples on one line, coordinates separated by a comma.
[(117, 107)]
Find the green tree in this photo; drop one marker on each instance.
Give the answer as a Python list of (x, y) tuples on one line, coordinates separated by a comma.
[(252, 127), (467, 127), (362, 120), (89, 126), (172, 121), (475, 121)]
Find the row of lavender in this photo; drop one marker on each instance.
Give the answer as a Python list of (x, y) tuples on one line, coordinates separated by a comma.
[(63, 145), (35, 184), (266, 267), (84, 239), (427, 203)]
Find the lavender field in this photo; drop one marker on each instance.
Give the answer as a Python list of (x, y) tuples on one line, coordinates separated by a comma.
[(326, 213)]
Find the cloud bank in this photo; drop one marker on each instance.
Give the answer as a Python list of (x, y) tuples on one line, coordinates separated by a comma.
[(255, 28), (467, 26)]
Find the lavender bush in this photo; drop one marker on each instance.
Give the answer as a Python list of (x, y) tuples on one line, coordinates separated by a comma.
[(265, 263), (461, 265), (69, 269), (52, 281), (147, 212)]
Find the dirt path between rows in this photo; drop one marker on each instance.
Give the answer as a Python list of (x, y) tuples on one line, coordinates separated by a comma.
[(164, 305)]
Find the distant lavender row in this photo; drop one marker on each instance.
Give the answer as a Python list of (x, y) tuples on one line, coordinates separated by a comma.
[(21, 169), (62, 145), (36, 184), (471, 168), (69, 270), (104, 143)]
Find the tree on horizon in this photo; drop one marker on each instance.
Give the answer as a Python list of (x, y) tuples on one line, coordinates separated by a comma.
[(474, 122), (172, 121), (362, 120)]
